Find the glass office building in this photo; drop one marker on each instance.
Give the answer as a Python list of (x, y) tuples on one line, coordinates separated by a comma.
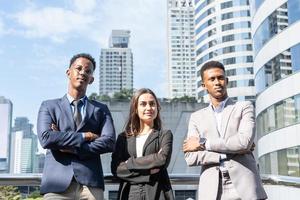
[(275, 30), (116, 64), (181, 49), (223, 33)]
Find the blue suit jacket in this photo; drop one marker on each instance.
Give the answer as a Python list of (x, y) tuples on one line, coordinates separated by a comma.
[(85, 163)]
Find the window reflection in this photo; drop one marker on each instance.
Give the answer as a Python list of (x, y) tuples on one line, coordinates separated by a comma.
[(285, 162), (279, 115), (277, 68), (275, 23)]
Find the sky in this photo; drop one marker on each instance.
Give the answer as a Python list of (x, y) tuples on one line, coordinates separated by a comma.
[(38, 38)]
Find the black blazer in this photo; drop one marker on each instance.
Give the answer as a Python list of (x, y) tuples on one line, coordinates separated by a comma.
[(137, 170)]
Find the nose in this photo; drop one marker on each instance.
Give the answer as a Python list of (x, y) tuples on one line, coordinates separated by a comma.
[(83, 72), (216, 81), (148, 106)]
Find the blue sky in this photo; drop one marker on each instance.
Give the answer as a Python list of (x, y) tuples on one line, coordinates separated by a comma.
[(37, 39)]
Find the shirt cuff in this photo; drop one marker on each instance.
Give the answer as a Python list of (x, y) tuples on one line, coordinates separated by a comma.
[(82, 137), (223, 156), (207, 145)]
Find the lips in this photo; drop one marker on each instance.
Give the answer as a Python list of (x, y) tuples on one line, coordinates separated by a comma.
[(81, 79), (219, 89)]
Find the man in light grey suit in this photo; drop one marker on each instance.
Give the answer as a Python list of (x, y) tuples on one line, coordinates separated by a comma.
[(220, 139), (75, 131)]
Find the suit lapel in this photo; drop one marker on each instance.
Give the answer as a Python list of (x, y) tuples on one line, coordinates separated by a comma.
[(67, 111), (131, 142), (150, 139), (88, 113), (226, 115)]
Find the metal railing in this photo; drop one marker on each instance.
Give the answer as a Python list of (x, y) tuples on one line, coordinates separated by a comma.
[(176, 179)]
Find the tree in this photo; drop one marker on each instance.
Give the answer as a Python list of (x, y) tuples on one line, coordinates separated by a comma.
[(34, 195), (184, 98), (124, 94), (9, 192), (95, 96)]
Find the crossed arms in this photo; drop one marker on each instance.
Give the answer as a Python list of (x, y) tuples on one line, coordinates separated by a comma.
[(84, 145), (239, 143), (139, 170)]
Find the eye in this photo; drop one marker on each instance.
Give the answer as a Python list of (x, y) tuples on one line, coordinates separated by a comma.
[(88, 71), (152, 103), (143, 103)]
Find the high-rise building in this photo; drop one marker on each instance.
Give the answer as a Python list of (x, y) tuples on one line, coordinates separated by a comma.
[(275, 31), (116, 64), (223, 33), (181, 49), (23, 147), (5, 129)]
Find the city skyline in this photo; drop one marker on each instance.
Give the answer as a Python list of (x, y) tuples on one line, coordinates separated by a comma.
[(38, 38)]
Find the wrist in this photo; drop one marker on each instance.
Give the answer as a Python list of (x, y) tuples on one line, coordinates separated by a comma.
[(202, 142)]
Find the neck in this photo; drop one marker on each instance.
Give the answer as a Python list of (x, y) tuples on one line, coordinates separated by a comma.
[(216, 101), (145, 128), (76, 94)]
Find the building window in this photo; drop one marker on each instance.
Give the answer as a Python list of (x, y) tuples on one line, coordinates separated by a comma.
[(185, 194)]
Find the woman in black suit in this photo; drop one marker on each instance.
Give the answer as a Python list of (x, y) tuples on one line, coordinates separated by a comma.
[(143, 151)]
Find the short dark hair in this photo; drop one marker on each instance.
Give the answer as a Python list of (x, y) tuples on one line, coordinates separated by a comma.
[(210, 65), (83, 55)]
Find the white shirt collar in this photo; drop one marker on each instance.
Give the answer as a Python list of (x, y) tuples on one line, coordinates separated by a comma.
[(71, 99), (221, 106)]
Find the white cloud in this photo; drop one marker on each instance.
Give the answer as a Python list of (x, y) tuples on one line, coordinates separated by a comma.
[(55, 23), (94, 20), (85, 6)]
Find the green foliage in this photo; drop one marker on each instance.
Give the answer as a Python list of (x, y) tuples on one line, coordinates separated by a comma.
[(9, 193), (185, 98), (124, 94), (34, 195)]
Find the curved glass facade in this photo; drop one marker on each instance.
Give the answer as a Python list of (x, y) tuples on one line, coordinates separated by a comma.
[(270, 27), (285, 162), (279, 115), (282, 116), (277, 68), (224, 34)]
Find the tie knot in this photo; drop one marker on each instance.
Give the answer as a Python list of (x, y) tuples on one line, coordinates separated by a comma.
[(77, 103)]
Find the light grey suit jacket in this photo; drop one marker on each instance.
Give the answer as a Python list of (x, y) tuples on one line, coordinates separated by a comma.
[(238, 126)]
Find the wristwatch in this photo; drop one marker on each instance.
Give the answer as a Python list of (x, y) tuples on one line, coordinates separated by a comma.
[(202, 141)]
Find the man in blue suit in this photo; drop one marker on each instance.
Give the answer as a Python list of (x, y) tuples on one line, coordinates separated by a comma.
[(75, 131)]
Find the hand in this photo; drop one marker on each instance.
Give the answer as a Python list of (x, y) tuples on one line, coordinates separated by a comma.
[(154, 171), (54, 127), (89, 136), (192, 144)]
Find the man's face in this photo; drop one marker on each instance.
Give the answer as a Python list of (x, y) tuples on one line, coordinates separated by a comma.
[(80, 73), (215, 82)]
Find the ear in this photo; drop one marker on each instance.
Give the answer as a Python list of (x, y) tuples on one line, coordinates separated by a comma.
[(227, 80), (68, 72), (91, 80), (203, 86)]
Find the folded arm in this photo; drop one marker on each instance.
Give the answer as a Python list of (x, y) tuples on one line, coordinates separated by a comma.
[(160, 159), (51, 139), (105, 143), (242, 141), (196, 155), (119, 166)]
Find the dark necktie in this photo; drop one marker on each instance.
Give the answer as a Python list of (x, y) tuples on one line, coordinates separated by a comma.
[(77, 114)]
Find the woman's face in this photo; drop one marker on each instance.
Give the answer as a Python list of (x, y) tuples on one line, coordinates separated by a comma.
[(147, 108)]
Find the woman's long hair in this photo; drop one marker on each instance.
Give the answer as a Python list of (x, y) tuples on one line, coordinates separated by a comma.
[(132, 127)]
